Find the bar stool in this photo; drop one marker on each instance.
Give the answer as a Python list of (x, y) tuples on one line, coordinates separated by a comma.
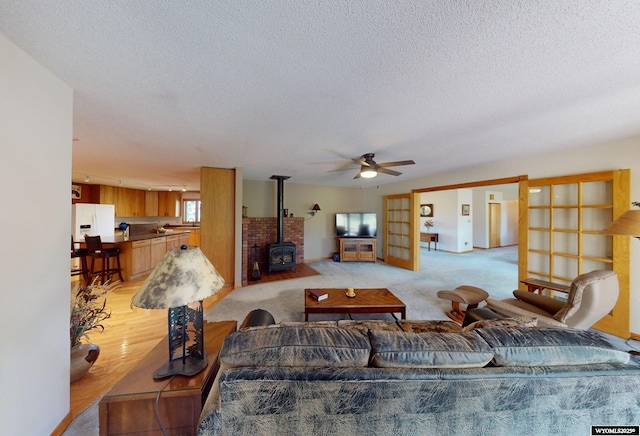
[(82, 254), (96, 251)]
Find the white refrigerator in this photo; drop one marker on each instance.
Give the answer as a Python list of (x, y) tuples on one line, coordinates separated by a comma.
[(92, 220)]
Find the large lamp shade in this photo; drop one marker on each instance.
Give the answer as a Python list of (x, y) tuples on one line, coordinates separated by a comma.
[(182, 279)]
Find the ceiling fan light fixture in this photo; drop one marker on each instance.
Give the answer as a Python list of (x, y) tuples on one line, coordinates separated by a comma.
[(367, 172)]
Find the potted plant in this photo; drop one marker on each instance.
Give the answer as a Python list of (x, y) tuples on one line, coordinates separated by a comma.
[(429, 224), (88, 312)]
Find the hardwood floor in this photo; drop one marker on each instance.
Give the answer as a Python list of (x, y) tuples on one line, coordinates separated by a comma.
[(130, 333)]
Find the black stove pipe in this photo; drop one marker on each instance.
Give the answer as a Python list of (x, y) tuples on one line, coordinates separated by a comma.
[(280, 205)]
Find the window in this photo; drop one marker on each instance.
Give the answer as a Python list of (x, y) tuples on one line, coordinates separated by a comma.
[(191, 209)]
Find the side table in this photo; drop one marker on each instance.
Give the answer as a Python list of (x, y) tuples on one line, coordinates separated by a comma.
[(129, 407)]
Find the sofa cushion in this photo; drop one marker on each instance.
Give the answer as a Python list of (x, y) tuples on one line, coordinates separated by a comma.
[(297, 346), (428, 350), (515, 346)]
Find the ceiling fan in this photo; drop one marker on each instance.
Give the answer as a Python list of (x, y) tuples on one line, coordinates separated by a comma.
[(369, 168)]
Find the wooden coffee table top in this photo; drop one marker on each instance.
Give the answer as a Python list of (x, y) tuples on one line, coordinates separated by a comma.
[(367, 300)]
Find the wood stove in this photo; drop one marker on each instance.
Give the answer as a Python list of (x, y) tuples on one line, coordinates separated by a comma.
[(281, 255)]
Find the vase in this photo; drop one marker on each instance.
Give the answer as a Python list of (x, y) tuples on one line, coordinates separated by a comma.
[(83, 356)]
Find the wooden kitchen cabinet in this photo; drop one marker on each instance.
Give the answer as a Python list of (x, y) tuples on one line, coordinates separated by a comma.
[(140, 258), (357, 249), (158, 250), (184, 239), (194, 237), (151, 203), (169, 203), (107, 195), (173, 241), (129, 202)]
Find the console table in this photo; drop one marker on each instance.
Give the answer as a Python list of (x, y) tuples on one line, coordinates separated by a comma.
[(129, 407), (430, 237)]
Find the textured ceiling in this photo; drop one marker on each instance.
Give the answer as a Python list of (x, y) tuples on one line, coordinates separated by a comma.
[(301, 87)]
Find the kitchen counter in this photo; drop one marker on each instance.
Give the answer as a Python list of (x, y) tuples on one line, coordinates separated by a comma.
[(140, 254), (120, 239)]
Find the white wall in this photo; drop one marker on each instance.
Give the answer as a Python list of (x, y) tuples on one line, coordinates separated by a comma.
[(591, 158), (480, 219), (509, 223), (453, 229), (35, 170), (260, 198), (465, 222)]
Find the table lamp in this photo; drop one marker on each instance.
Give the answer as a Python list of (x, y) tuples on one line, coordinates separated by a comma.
[(627, 224), (183, 278)]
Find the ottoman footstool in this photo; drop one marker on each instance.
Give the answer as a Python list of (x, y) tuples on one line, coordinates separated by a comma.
[(471, 296)]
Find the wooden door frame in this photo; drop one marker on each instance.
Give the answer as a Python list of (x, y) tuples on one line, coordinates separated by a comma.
[(522, 209)]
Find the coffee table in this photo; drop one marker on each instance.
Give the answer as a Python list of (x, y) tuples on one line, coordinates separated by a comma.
[(367, 300)]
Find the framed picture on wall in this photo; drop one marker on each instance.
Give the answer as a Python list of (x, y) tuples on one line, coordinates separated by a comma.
[(76, 192), (426, 210), (466, 209)]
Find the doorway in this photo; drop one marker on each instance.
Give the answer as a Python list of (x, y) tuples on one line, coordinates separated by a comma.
[(476, 215)]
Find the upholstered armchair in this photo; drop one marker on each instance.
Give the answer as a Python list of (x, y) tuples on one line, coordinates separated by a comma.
[(591, 296)]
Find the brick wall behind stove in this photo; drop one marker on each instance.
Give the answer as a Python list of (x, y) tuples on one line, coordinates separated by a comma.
[(264, 231)]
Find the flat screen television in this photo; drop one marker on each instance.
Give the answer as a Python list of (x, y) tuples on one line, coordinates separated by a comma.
[(356, 225)]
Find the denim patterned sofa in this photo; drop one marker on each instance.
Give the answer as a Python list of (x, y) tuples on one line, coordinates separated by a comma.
[(386, 378)]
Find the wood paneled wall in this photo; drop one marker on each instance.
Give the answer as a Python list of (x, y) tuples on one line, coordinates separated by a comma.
[(217, 222)]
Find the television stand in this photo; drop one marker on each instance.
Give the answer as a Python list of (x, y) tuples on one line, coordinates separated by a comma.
[(357, 249)]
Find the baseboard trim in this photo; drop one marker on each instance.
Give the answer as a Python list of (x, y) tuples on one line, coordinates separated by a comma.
[(317, 259), (66, 421), (456, 252), (635, 336)]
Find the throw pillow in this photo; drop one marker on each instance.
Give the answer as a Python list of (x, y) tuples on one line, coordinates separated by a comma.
[(292, 323), (429, 326), (428, 350), (519, 321), (366, 324), (297, 346), (516, 346)]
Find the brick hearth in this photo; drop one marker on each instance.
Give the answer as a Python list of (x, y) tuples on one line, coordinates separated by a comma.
[(263, 231)]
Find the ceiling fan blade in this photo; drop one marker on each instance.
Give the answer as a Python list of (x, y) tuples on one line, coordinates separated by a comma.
[(357, 176), (395, 164), (388, 171), (361, 162), (342, 169)]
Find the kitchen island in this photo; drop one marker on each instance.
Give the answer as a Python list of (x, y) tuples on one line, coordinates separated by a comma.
[(140, 254)]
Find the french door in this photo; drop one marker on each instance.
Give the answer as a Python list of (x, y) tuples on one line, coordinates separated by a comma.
[(401, 237), (559, 233)]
